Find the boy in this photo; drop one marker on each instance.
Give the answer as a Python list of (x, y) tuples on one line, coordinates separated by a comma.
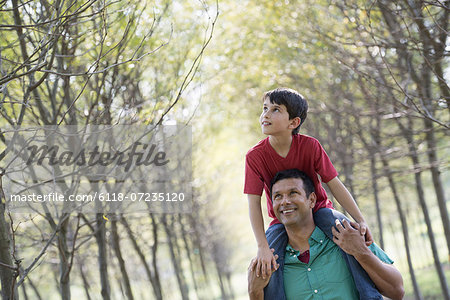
[(284, 110)]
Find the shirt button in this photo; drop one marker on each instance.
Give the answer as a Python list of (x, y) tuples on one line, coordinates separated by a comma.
[(321, 241), (315, 291), (309, 269)]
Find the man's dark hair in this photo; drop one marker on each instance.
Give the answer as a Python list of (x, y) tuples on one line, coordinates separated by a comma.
[(308, 185), (296, 104)]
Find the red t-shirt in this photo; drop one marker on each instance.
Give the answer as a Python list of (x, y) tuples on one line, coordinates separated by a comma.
[(262, 162)]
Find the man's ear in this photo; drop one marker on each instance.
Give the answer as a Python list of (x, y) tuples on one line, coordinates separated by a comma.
[(312, 197), (294, 122)]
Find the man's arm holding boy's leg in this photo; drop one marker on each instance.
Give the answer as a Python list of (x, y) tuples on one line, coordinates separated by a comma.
[(265, 258), (386, 277)]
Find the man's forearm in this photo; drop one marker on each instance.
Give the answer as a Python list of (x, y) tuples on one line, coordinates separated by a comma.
[(386, 277)]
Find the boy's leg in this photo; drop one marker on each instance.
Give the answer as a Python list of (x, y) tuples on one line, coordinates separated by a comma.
[(325, 219), (277, 239)]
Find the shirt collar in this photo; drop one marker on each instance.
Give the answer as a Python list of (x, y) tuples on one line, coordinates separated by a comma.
[(317, 236)]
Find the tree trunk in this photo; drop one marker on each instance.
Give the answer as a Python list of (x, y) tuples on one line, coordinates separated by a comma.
[(437, 183), (6, 274), (185, 234), (100, 237), (118, 252), (404, 227), (421, 195), (171, 238), (64, 264), (373, 170), (151, 277), (154, 255), (85, 281)]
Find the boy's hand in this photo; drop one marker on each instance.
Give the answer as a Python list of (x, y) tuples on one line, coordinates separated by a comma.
[(256, 284), (264, 262), (365, 231)]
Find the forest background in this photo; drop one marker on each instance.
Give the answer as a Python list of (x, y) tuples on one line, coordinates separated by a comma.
[(376, 75)]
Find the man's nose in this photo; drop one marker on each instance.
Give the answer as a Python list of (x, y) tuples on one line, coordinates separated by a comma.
[(285, 199)]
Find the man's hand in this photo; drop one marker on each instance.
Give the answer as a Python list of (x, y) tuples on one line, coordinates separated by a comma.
[(256, 283), (365, 231), (265, 260), (348, 238)]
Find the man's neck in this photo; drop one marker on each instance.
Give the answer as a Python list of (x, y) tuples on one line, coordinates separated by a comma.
[(281, 144), (299, 235)]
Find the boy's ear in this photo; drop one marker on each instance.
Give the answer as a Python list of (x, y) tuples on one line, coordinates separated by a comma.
[(295, 122)]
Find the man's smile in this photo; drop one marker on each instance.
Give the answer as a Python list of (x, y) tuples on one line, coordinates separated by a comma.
[(287, 210)]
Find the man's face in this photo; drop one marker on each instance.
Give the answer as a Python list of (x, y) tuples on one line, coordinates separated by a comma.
[(274, 118), (290, 202)]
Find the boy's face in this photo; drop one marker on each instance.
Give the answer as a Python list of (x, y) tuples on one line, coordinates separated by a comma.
[(274, 119)]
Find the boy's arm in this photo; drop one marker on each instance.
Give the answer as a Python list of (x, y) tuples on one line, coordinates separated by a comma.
[(345, 199), (265, 257)]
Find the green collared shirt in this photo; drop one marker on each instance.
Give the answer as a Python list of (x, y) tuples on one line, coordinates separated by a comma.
[(326, 276)]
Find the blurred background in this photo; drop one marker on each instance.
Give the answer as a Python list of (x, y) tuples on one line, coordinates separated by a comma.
[(376, 75)]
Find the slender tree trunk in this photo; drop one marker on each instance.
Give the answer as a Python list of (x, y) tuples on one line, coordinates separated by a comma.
[(171, 238), (373, 170), (404, 227), (100, 237), (64, 264), (151, 277), (185, 234), (24, 291), (437, 183), (421, 196), (6, 274), (220, 275), (85, 281), (198, 244), (118, 252), (154, 255)]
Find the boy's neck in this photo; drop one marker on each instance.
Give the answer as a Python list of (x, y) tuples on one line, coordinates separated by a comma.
[(281, 144)]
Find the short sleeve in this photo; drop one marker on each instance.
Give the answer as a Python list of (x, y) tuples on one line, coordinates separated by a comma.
[(254, 183), (322, 163), (380, 254)]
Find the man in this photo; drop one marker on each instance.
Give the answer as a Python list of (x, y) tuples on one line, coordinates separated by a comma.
[(314, 266)]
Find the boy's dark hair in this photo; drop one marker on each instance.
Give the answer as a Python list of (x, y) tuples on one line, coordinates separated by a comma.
[(308, 185), (296, 104)]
